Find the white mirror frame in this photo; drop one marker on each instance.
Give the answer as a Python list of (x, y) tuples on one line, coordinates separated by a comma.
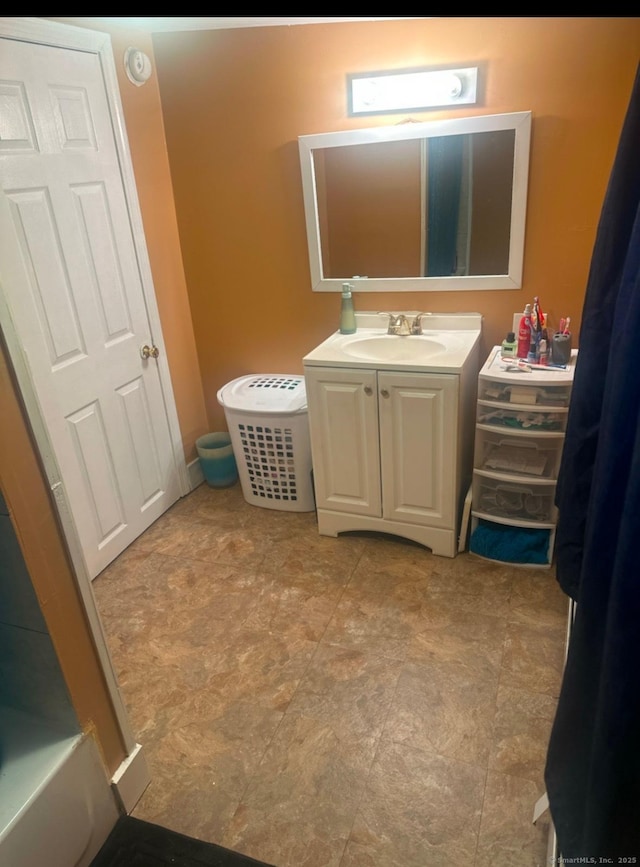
[(518, 121)]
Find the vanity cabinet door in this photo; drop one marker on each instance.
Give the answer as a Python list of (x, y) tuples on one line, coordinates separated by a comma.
[(418, 444), (343, 423)]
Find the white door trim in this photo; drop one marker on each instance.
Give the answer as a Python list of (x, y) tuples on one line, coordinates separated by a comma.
[(65, 36)]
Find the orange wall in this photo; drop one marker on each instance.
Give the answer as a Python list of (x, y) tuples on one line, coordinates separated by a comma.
[(235, 101), (143, 118)]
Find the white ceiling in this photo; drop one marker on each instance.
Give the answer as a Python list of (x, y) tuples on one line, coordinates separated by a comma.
[(157, 25)]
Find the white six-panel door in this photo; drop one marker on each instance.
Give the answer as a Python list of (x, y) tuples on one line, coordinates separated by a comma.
[(71, 280)]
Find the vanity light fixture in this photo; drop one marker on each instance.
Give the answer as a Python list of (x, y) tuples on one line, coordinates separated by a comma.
[(383, 92)]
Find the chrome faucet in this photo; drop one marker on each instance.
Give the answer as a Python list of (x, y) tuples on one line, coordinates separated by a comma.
[(416, 325), (398, 324)]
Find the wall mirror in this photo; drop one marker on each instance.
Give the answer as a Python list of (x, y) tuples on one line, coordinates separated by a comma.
[(439, 205)]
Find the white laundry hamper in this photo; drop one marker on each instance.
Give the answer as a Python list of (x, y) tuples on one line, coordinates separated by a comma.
[(269, 427)]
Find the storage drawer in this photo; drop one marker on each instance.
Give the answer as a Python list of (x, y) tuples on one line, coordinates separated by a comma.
[(508, 543), (532, 420), (523, 394), (526, 503), (520, 455)]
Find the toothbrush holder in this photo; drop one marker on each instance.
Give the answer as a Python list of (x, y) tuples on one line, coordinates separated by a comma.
[(561, 349)]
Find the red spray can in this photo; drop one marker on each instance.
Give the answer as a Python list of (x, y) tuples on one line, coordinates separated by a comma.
[(524, 332)]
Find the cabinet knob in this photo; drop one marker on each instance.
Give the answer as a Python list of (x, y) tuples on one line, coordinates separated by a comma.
[(384, 392), (368, 389)]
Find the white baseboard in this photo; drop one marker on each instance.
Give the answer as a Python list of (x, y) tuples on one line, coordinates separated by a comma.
[(196, 476), (131, 779)]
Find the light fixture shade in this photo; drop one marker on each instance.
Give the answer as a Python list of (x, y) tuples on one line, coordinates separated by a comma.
[(383, 92)]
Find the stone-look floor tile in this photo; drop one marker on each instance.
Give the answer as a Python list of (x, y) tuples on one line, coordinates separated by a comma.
[(393, 574), (350, 691), (508, 836), (372, 626), (194, 610), (537, 600), (200, 770), (521, 732), (307, 551), (161, 587), (123, 570), (533, 658), (290, 604), (277, 524), (224, 534), (169, 532), (190, 640), (391, 555), (300, 598), (232, 665), (186, 800), (207, 502), (444, 713), (154, 696), (419, 810), (461, 642), (237, 545), (470, 584), (259, 666), (300, 805)]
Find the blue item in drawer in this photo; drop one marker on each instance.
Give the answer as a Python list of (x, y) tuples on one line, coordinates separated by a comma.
[(510, 544)]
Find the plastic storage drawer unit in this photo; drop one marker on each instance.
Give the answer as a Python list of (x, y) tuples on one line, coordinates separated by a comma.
[(519, 453), (521, 422), (528, 504), (269, 427)]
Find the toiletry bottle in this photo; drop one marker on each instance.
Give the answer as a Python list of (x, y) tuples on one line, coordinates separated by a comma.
[(543, 348), (510, 345), (347, 313), (524, 332)]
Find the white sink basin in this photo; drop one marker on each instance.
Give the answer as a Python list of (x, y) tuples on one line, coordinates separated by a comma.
[(445, 346), (388, 347)]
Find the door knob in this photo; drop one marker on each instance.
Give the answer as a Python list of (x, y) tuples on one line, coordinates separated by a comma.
[(368, 389), (149, 351), (384, 392)]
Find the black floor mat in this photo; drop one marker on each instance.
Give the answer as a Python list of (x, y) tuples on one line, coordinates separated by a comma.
[(134, 843)]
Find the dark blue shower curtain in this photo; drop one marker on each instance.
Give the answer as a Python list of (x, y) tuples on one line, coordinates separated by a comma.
[(445, 183), (592, 771)]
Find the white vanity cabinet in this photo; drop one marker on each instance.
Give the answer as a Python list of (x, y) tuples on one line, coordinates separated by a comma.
[(391, 445), (383, 447)]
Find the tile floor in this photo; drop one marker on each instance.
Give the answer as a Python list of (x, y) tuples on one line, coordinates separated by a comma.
[(320, 702)]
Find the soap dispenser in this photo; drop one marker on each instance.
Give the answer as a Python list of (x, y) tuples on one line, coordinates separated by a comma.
[(347, 313)]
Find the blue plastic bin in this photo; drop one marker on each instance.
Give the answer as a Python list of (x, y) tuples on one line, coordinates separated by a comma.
[(217, 459)]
